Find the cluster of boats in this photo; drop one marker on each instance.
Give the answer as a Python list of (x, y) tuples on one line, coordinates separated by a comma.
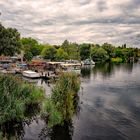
[(42, 68)]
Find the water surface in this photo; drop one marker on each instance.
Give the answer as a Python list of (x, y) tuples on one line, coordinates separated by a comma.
[(109, 107)]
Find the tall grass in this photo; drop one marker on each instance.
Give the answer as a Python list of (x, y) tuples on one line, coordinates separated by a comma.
[(15, 97), (61, 106)]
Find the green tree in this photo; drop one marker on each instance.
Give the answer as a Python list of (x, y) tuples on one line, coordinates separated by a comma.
[(74, 51), (85, 51), (61, 54), (65, 46), (109, 49), (9, 41), (98, 54), (49, 52), (31, 45), (28, 56)]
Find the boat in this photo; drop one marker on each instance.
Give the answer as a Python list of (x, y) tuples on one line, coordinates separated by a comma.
[(4, 71), (76, 68), (88, 62), (31, 74)]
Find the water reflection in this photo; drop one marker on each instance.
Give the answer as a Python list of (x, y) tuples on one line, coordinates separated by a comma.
[(59, 132), (111, 104), (86, 71), (109, 107)]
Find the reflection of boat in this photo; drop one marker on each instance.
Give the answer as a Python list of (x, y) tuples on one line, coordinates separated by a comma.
[(30, 74), (88, 62), (30, 80)]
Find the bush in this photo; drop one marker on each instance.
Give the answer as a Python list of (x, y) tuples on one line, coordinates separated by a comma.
[(117, 60)]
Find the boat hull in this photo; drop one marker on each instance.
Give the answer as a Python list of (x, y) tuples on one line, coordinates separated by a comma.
[(30, 74)]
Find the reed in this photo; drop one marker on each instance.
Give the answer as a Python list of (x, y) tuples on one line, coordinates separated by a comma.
[(16, 96), (61, 105)]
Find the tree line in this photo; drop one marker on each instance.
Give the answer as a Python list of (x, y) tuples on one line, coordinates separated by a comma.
[(11, 43)]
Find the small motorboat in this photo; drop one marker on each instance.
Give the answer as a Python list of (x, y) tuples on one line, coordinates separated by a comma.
[(31, 74), (88, 62)]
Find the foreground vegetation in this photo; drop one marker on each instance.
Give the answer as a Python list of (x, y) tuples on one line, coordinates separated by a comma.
[(16, 97), (11, 43), (21, 101), (62, 104)]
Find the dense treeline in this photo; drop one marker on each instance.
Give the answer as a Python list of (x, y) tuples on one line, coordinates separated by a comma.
[(11, 43), (68, 50)]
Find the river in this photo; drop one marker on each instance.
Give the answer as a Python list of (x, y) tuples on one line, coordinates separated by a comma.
[(109, 107)]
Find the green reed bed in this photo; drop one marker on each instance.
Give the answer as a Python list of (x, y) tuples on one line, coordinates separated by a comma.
[(15, 98), (60, 106)]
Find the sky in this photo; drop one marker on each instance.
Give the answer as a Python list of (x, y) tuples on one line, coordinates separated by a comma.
[(92, 21)]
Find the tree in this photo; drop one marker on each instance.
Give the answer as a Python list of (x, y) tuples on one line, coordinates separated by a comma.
[(9, 41), (65, 46), (49, 52), (31, 45), (98, 54), (109, 49), (74, 51), (61, 54), (28, 56), (85, 51)]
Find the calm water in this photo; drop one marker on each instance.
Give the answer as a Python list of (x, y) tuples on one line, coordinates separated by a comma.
[(109, 107)]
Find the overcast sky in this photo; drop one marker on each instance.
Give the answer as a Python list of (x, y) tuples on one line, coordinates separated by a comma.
[(53, 21)]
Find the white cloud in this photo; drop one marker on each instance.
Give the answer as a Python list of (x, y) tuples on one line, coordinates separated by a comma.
[(53, 21)]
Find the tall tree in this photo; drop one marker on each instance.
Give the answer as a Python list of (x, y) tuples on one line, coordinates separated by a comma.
[(85, 50), (9, 41), (31, 45), (65, 46), (49, 52)]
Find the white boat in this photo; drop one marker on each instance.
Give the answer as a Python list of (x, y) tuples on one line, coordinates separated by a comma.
[(71, 68), (88, 62), (30, 74)]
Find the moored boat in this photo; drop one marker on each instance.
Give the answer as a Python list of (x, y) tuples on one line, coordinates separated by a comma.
[(30, 74), (88, 62)]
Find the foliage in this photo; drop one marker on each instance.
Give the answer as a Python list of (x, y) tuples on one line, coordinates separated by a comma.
[(98, 54), (72, 49), (85, 51), (31, 46), (9, 41), (61, 105), (61, 54), (63, 94), (116, 60), (65, 46), (49, 52), (16, 95), (53, 114), (109, 49), (10, 44), (28, 56)]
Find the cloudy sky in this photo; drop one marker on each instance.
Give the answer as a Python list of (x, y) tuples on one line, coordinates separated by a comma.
[(53, 21)]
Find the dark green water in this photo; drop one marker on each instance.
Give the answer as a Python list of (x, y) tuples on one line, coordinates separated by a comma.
[(109, 107)]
